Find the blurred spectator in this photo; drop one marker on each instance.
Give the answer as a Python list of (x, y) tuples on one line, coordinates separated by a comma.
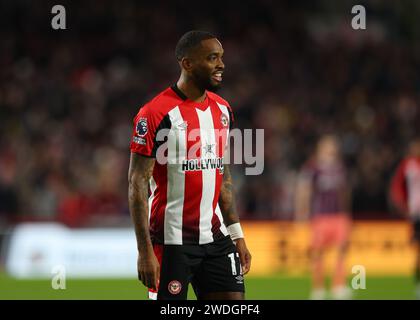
[(405, 195), (323, 196)]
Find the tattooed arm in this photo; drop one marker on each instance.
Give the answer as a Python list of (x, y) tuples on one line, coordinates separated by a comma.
[(231, 218), (139, 173)]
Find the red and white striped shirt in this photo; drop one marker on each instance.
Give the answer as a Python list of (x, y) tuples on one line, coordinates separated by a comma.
[(183, 205), (405, 186)]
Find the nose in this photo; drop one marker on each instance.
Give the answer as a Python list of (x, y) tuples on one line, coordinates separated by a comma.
[(220, 64)]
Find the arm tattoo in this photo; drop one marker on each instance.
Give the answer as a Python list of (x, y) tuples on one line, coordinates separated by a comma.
[(227, 199), (140, 171)]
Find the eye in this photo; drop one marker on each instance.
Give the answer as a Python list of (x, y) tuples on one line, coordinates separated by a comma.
[(212, 57)]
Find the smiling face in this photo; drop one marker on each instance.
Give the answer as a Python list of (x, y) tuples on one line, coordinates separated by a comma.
[(206, 65)]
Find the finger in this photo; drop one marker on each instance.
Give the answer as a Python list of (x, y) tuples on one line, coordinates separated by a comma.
[(151, 281), (145, 279), (248, 260), (243, 263), (247, 263), (154, 280), (146, 282), (157, 277), (245, 268), (157, 284)]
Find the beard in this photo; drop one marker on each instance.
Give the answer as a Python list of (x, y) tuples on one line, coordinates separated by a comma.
[(205, 82)]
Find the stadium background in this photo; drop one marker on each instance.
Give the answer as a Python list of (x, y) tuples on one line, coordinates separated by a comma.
[(67, 99)]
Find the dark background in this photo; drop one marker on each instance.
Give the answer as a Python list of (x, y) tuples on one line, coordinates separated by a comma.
[(295, 69)]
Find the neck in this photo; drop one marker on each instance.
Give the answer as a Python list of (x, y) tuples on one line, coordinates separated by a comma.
[(190, 89)]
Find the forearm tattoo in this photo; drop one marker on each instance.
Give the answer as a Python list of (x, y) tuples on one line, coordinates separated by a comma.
[(141, 169), (227, 199)]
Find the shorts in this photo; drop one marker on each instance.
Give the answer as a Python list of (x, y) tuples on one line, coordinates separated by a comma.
[(330, 230), (213, 267)]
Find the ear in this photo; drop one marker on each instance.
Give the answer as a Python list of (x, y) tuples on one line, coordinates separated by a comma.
[(186, 64)]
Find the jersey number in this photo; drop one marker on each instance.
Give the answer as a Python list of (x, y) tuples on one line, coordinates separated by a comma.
[(232, 262)]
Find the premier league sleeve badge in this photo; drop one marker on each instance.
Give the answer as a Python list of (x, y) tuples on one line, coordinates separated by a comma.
[(141, 128)]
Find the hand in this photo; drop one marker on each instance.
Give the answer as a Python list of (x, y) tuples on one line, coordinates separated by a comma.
[(148, 270), (244, 255)]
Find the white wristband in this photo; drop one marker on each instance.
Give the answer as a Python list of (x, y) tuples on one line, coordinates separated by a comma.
[(235, 231)]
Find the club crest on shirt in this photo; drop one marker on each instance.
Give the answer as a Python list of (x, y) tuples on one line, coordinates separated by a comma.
[(224, 120), (174, 287), (141, 127)]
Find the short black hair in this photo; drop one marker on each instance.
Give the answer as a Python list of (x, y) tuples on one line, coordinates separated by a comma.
[(190, 40)]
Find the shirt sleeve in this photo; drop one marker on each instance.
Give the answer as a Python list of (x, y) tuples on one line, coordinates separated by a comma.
[(231, 118), (143, 139)]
